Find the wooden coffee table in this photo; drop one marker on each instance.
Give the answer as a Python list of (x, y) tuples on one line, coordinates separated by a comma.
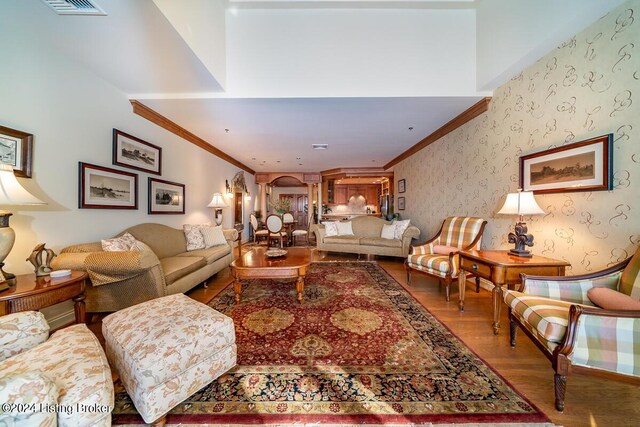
[(256, 265)]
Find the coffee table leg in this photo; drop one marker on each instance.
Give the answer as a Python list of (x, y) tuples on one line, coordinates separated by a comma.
[(237, 288), (497, 305), (300, 288), (79, 308)]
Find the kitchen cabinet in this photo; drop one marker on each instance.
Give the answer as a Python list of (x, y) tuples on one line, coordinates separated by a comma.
[(343, 192)]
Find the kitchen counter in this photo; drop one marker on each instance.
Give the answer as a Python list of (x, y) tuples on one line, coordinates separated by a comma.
[(343, 216)]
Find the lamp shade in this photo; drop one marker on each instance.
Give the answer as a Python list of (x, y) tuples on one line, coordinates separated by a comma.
[(521, 203), (217, 201), (11, 192)]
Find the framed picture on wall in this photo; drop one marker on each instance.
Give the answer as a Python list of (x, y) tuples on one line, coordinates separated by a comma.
[(401, 186), (134, 153), (581, 166), (16, 150), (106, 188), (165, 197), (400, 203)]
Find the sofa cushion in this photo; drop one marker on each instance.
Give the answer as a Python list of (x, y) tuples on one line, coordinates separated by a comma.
[(74, 360), (210, 255), (213, 236), (388, 231), (347, 240), (330, 229), (379, 241), (444, 250), (176, 267), (400, 228), (35, 391), (344, 228), (117, 244)]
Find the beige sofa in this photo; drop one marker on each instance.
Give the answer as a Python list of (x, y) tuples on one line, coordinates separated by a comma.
[(366, 239), (123, 279)]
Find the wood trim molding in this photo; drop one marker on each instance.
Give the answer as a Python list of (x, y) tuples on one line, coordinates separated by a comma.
[(143, 111), (355, 172), (471, 113)]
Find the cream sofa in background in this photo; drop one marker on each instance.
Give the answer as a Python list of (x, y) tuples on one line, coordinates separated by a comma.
[(123, 279), (366, 239)]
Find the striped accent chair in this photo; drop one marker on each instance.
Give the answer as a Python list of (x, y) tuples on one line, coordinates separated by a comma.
[(438, 257), (574, 334)]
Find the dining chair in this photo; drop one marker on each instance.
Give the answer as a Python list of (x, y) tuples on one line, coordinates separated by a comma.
[(259, 233), (274, 226), (287, 217), (302, 233)]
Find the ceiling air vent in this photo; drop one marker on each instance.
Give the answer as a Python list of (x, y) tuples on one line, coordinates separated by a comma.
[(74, 7), (320, 146)]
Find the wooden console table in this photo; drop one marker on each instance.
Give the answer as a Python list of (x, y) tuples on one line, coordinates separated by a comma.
[(34, 293), (501, 269)]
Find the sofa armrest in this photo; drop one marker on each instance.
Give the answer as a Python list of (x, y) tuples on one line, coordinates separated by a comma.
[(20, 332), (318, 230), (561, 288), (230, 234), (28, 394), (602, 339), (412, 232)]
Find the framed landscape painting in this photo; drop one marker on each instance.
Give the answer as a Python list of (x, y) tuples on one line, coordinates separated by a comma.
[(16, 150), (165, 197), (582, 166), (106, 188), (134, 153)]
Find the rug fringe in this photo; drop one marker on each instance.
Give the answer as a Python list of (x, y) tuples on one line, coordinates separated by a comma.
[(366, 425)]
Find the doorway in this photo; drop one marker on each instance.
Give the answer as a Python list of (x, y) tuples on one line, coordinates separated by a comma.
[(298, 202)]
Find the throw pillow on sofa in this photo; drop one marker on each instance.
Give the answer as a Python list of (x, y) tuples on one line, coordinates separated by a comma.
[(330, 229), (139, 246), (444, 250), (194, 237), (122, 243), (388, 231), (610, 299), (401, 227), (344, 228), (213, 236)]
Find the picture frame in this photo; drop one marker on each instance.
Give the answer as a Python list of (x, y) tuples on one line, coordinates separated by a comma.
[(402, 186), (105, 188), (581, 166), (165, 197), (16, 150), (134, 153), (401, 203)]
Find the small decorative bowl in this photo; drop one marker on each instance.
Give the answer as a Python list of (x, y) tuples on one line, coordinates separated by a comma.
[(273, 253)]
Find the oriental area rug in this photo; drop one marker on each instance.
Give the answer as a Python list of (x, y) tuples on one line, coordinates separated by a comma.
[(358, 350)]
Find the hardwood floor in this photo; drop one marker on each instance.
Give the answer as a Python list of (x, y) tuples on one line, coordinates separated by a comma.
[(590, 401)]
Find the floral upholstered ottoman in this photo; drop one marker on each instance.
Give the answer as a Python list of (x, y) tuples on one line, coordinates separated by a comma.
[(167, 349)]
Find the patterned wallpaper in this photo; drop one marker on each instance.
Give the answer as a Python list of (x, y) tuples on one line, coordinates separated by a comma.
[(587, 87)]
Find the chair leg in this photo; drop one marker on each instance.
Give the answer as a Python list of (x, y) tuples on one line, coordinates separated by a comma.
[(560, 386), (477, 284), (447, 282), (408, 273), (160, 421), (513, 328)]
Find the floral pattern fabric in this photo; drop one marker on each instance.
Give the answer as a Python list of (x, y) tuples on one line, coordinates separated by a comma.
[(73, 359), (166, 349), (21, 331), (195, 239), (27, 392), (117, 244)]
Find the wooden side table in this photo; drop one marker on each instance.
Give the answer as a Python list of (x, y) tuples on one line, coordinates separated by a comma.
[(34, 293), (501, 269)]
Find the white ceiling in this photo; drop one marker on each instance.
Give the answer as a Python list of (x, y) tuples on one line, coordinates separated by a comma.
[(360, 131), (139, 51)]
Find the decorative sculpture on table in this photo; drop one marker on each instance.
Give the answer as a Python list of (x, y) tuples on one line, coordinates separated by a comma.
[(41, 264)]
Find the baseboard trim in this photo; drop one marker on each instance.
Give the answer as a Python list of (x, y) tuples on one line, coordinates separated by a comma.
[(63, 319)]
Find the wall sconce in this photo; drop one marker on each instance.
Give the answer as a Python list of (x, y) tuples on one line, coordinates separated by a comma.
[(247, 196), (229, 193)]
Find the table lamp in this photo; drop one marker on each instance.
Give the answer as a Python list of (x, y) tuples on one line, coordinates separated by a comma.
[(217, 202), (11, 193), (521, 203)]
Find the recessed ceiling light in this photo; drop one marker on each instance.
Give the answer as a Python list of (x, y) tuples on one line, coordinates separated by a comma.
[(226, 130), (320, 146), (410, 127), (299, 164), (297, 158), (253, 158), (277, 161), (373, 161)]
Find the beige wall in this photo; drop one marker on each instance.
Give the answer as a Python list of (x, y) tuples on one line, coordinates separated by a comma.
[(584, 88)]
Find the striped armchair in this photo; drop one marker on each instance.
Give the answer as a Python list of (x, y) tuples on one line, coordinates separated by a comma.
[(438, 257), (574, 334)]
